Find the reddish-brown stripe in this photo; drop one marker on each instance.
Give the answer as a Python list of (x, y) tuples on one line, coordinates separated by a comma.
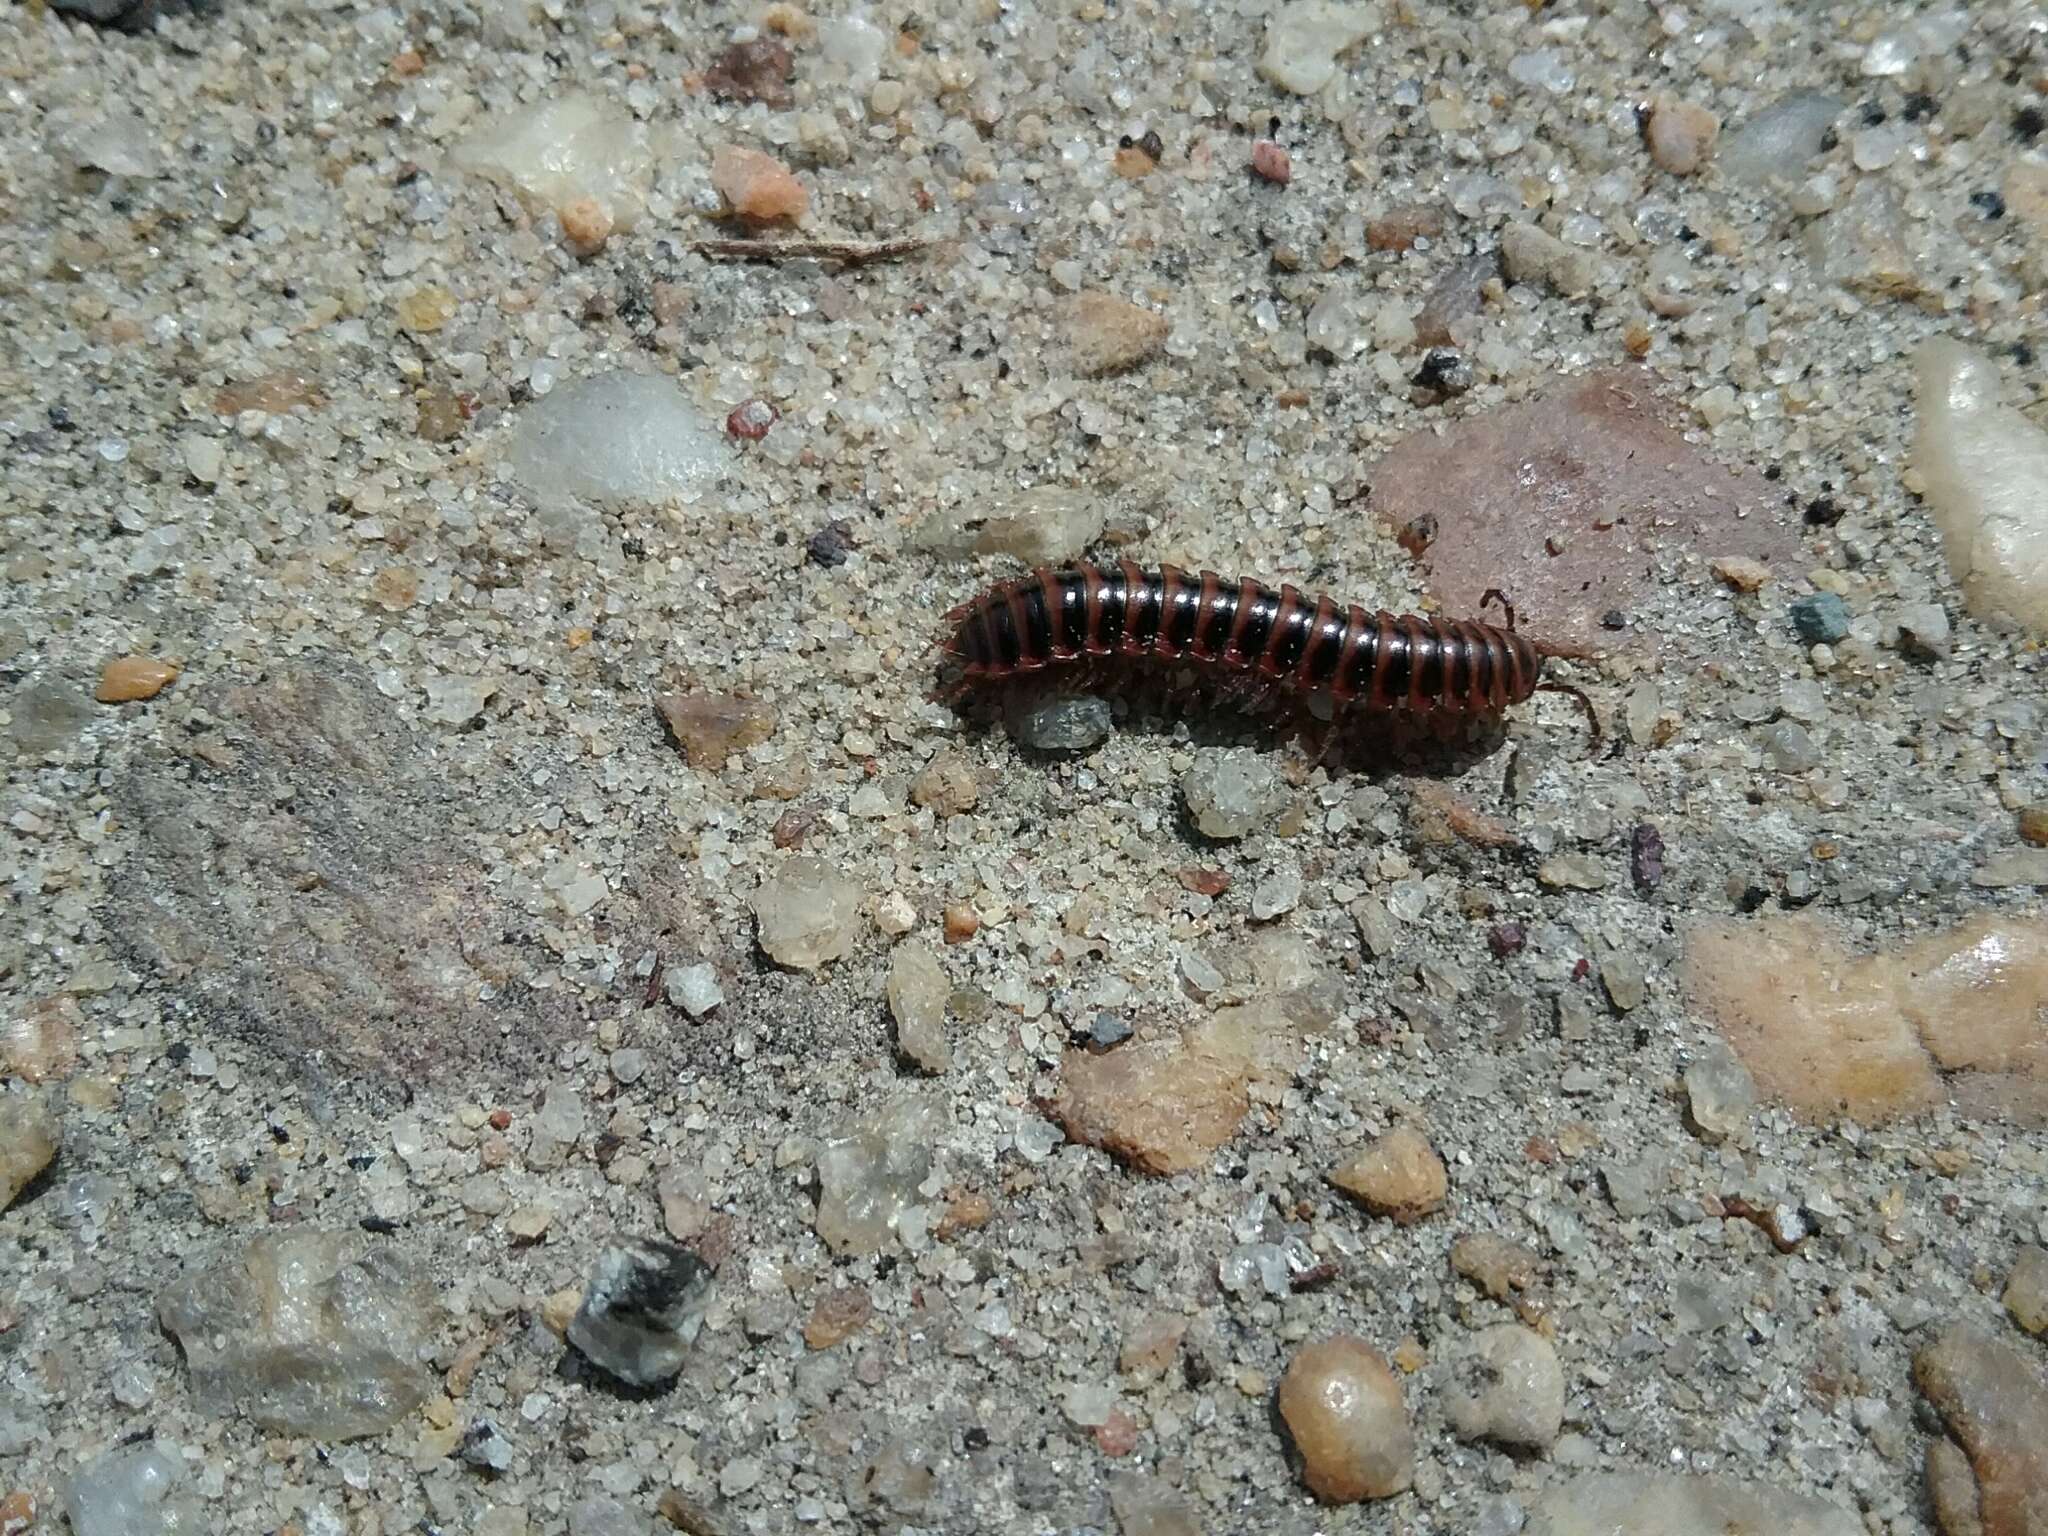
[(1212, 588), (1091, 639), (1028, 660), (1355, 623), (1416, 634), (1249, 592), (1318, 627), (1134, 587), (1382, 658)]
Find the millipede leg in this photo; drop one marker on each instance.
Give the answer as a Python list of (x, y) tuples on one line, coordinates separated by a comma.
[(1495, 595), (1592, 719)]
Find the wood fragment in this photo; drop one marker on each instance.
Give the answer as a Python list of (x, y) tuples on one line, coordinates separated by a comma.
[(850, 253)]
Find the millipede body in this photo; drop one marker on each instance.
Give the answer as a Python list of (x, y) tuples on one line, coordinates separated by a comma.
[(1282, 639)]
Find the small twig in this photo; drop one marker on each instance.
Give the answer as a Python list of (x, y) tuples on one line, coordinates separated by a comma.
[(851, 253)]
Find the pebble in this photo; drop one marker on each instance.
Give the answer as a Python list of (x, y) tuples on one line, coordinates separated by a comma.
[(305, 1333), (1455, 297), (900, 1477), (1778, 143), (2031, 823), (1672, 1504), (1861, 245), (837, 1316), (1497, 1265), (1573, 872), (1399, 1176), (579, 154), (1230, 791), (1924, 628), (1741, 572), (1990, 1476), (757, 188), (807, 913), (642, 1308), (1343, 1409), (946, 785), (1720, 1096), (127, 679), (869, 1169), (1831, 1035), (1529, 255), (1277, 894), (1790, 748), (1068, 723), (1821, 619), (458, 700), (1398, 229), (617, 438), (759, 69), (1272, 163), (1106, 334), (1622, 976), (29, 1136), (131, 1491), (39, 1041), (1506, 1385), (1145, 1505), (918, 989), (1681, 136), (693, 988), (1985, 468), (1045, 525), (1646, 857), (1163, 1104), (711, 726), (2026, 1289), (1304, 39)]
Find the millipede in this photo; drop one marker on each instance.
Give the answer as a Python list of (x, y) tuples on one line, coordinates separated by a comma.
[(1278, 642)]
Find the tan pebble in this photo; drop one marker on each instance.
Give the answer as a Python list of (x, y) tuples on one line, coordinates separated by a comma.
[(559, 1309), (1399, 1176), (1409, 1356), (946, 784), (2033, 825), (1132, 162), (1272, 163), (962, 923), (710, 727), (1253, 1384), (396, 587), (2025, 190), (757, 188), (1949, 1018), (1681, 136), (1497, 1265), (529, 1223), (838, 1316), (1741, 572), (127, 679), (271, 393), (41, 1041), (426, 310), (1399, 228), (1636, 339), (1107, 334), (586, 225), (1152, 1346), (965, 1212), (1344, 1410), (2026, 1290)]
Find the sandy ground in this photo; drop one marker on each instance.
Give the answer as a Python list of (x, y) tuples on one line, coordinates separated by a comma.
[(371, 922)]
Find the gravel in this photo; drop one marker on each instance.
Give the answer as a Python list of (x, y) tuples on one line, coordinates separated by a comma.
[(385, 428)]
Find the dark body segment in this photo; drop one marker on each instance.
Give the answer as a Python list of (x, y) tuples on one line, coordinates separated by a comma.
[(1377, 662)]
